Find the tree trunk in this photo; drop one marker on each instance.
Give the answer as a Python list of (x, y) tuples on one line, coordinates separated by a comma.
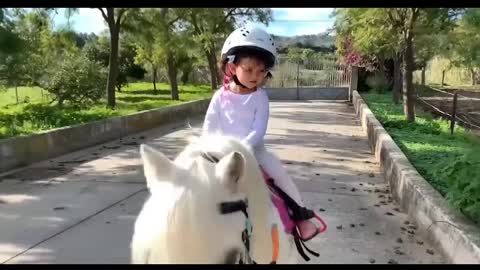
[(423, 76), (186, 74), (16, 91), (474, 77), (154, 76), (408, 88), (112, 66), (402, 64), (185, 77), (443, 78), (172, 76), (397, 78), (212, 65)]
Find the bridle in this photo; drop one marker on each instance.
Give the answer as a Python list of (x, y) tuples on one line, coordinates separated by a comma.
[(242, 205)]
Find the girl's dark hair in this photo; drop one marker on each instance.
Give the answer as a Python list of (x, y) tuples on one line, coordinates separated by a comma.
[(266, 57)]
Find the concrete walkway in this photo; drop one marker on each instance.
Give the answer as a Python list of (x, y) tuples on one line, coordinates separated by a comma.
[(80, 208)]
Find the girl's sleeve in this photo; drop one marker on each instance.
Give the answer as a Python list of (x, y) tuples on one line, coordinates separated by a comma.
[(260, 123), (212, 120)]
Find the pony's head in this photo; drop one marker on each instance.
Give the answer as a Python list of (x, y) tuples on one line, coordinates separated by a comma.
[(181, 222)]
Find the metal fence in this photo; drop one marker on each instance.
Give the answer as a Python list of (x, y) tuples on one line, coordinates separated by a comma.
[(312, 73)]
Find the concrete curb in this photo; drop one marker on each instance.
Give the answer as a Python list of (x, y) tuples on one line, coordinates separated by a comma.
[(453, 234), (22, 151)]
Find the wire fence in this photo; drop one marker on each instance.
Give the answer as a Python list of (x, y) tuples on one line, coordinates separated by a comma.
[(460, 106)]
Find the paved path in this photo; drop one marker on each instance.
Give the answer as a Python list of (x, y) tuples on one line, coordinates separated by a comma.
[(80, 208)]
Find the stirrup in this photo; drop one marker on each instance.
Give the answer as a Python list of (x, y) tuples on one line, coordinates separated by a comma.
[(307, 222)]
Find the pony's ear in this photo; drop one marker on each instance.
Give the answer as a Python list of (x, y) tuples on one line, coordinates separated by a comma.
[(193, 133), (156, 166), (230, 169)]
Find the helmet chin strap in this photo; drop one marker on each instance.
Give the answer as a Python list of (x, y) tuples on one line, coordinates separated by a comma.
[(231, 58), (237, 82)]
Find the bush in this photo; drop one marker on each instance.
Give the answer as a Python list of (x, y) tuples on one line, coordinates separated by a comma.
[(77, 80)]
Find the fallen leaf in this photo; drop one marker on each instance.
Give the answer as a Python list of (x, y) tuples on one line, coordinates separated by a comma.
[(392, 261)]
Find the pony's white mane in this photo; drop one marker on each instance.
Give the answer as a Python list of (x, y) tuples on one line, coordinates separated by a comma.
[(182, 213)]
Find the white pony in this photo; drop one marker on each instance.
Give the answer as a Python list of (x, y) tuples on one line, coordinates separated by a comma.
[(181, 222)]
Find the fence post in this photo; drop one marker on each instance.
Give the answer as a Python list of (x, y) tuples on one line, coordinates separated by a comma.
[(16, 91), (353, 83), (298, 74), (454, 111), (443, 78)]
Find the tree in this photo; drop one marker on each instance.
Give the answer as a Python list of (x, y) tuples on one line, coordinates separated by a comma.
[(12, 71), (98, 50), (294, 54), (12, 53), (464, 44), (413, 23), (127, 66), (301, 55), (370, 33), (10, 42), (157, 42), (393, 32), (146, 55), (75, 79), (35, 28), (114, 18), (163, 40)]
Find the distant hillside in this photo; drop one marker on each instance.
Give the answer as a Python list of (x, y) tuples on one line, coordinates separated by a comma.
[(318, 40)]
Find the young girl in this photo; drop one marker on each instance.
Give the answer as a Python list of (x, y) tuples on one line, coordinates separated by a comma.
[(241, 108)]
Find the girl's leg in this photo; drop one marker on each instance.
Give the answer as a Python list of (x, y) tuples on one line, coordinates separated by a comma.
[(274, 168)]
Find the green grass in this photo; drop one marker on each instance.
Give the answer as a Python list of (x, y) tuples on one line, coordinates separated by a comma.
[(450, 163), (32, 94), (38, 115)]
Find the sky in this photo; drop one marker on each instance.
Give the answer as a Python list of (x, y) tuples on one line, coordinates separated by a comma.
[(286, 21)]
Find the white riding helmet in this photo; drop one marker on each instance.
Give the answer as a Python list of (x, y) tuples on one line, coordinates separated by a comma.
[(249, 36)]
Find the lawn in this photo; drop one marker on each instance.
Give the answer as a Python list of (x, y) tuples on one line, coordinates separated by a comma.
[(32, 94), (39, 115), (450, 163)]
